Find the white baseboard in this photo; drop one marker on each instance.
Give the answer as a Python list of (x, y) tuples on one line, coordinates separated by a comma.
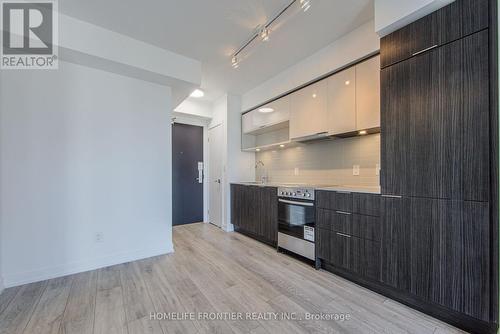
[(11, 280), (228, 228)]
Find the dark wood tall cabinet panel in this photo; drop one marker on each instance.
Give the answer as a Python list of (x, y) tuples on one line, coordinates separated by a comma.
[(395, 128), (439, 128), (435, 126)]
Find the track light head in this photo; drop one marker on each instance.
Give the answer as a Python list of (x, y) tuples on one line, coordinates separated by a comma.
[(305, 5), (264, 34), (235, 62)]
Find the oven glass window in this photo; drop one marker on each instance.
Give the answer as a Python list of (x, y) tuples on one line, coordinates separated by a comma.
[(293, 217)]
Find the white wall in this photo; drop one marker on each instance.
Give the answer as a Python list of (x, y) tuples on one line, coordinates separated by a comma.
[(353, 46), (237, 165), (390, 15), (195, 108), (82, 151)]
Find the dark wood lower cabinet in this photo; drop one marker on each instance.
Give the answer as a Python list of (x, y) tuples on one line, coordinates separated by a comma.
[(347, 239), (254, 211), (432, 254)]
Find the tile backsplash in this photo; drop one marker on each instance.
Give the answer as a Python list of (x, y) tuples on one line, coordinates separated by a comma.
[(325, 162)]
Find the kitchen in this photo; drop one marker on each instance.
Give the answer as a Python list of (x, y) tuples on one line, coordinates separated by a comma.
[(381, 172)]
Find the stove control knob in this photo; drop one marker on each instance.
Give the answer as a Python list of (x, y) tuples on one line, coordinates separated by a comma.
[(308, 195), (294, 194)]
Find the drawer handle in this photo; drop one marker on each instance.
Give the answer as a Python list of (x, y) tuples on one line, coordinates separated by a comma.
[(343, 192), (392, 196), (343, 235), (343, 213), (424, 50)]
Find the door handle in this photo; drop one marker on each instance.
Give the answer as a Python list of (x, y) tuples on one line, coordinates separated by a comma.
[(391, 196), (295, 202), (424, 50), (343, 213), (217, 181), (343, 235)]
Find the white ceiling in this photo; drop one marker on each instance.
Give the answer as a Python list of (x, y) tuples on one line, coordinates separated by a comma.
[(211, 30)]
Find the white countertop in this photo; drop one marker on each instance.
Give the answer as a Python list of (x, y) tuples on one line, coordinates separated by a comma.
[(346, 188)]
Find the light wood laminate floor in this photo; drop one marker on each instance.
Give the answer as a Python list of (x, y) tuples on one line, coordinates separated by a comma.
[(210, 271)]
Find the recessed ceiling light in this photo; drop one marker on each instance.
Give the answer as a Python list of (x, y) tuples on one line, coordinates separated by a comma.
[(266, 110), (362, 132), (257, 149), (347, 83), (197, 93), (314, 95), (282, 145)]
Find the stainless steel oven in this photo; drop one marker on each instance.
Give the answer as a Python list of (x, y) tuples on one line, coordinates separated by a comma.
[(296, 220)]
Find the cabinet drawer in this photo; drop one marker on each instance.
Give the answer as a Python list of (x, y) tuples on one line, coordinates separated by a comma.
[(356, 255), (334, 200), (458, 19), (364, 227), (366, 204)]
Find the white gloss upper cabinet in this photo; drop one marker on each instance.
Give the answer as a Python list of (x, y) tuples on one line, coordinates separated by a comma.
[(342, 102), (256, 121), (368, 94), (280, 114), (247, 123), (309, 113)]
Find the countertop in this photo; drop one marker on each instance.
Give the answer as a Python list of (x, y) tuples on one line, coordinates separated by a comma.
[(344, 187)]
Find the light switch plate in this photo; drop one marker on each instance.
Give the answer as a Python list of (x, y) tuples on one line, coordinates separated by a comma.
[(377, 169), (296, 171), (355, 170)]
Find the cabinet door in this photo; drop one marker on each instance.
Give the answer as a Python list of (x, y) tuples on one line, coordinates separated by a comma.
[(309, 114), (342, 101), (450, 261), (280, 114), (458, 19), (395, 127), (396, 243), (236, 204), (368, 94), (268, 213), (435, 123)]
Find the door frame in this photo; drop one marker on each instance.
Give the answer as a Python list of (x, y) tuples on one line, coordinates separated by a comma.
[(223, 179), (204, 123)]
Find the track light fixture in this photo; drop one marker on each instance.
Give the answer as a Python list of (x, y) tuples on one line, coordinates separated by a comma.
[(264, 31)]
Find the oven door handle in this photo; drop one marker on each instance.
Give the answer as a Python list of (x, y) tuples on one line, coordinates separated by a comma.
[(295, 203)]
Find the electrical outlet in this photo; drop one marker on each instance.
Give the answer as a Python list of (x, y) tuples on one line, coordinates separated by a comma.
[(355, 170), (296, 171), (98, 237), (377, 169)]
